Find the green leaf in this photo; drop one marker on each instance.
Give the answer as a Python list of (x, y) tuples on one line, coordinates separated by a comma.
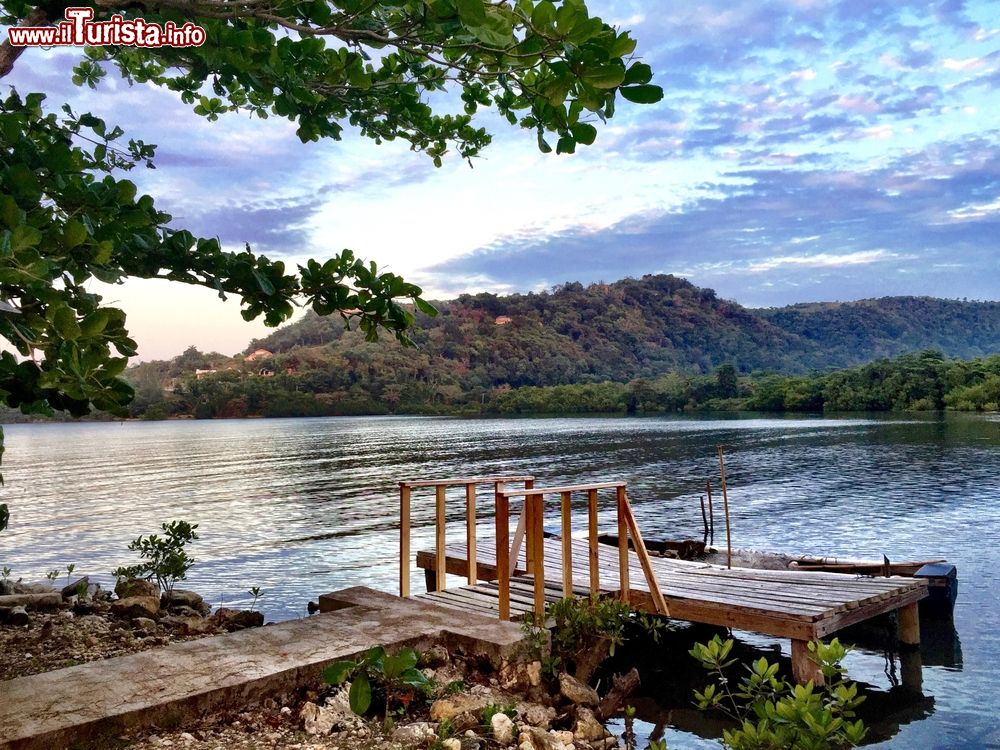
[(584, 133), (23, 237), (647, 94), (544, 15), (566, 18), (425, 307), (263, 282), (566, 145), (604, 76), (64, 321), (337, 672), (471, 12), (74, 233), (495, 31), (94, 323), (622, 46), (638, 73), (360, 695)]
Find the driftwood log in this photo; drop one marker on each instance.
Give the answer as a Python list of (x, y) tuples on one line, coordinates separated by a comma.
[(622, 686)]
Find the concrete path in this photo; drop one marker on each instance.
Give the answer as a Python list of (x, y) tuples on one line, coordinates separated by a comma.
[(82, 706)]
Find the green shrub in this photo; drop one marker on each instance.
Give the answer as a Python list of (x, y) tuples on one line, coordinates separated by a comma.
[(774, 715), (377, 677), (164, 557)]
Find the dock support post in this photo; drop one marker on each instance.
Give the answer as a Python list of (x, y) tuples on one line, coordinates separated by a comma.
[(911, 669), (804, 669), (909, 626)]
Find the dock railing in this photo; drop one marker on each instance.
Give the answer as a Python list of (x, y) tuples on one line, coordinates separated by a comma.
[(440, 521), (532, 519)]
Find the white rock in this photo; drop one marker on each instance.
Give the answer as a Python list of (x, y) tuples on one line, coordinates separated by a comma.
[(588, 728), (451, 744), (316, 720), (503, 728), (414, 735)]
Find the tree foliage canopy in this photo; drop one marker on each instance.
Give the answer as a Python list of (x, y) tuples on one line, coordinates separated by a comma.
[(67, 214)]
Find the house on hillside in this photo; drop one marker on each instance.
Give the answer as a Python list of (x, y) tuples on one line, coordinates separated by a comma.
[(199, 374), (502, 320)]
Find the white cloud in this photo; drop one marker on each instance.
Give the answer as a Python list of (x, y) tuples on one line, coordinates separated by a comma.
[(824, 260), (967, 63), (976, 210)]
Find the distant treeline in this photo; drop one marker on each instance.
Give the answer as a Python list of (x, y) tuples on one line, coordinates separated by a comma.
[(922, 382)]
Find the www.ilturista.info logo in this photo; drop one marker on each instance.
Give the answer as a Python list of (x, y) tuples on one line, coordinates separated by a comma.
[(80, 29)]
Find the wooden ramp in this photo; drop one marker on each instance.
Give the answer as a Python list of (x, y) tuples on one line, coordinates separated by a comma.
[(516, 577)]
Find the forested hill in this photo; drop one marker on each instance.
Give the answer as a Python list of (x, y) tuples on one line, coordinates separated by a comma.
[(645, 327)]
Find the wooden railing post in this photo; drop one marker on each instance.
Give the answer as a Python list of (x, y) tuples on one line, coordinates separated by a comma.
[(515, 549), (440, 521), (567, 545), (503, 551), (470, 533), (595, 559), (623, 576), (404, 539), (536, 546)]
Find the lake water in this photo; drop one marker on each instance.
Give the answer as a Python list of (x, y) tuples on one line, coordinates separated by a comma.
[(301, 507)]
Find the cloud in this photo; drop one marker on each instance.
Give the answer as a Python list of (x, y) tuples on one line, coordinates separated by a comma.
[(825, 260), (747, 238), (277, 227)]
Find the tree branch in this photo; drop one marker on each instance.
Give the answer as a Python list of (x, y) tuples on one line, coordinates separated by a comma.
[(8, 52)]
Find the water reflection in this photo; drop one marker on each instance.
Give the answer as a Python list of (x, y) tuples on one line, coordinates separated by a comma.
[(670, 676)]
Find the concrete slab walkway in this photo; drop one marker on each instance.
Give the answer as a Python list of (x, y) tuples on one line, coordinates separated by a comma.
[(83, 706)]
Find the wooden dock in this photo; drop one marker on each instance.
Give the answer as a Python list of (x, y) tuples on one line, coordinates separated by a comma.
[(799, 605)]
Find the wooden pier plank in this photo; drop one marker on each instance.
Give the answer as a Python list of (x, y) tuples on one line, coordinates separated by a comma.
[(793, 604)]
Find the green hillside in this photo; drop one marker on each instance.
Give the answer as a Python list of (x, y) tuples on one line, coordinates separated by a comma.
[(481, 347)]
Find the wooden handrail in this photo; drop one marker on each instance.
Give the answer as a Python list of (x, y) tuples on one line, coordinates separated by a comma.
[(530, 527), (468, 480), (440, 485), (558, 490), (534, 501)]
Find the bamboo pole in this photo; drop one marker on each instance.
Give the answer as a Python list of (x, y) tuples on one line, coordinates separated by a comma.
[(623, 578), (595, 560), (567, 545), (440, 521), (470, 533), (711, 512), (725, 503), (503, 551), (704, 517), (404, 541)]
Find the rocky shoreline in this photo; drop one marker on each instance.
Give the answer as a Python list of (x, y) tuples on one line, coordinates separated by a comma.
[(470, 706), (44, 627), (473, 708)]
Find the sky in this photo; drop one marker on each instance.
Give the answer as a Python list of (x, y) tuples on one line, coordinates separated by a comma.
[(805, 150)]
